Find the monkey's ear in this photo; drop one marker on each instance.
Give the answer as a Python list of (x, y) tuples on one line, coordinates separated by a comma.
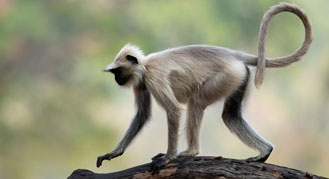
[(132, 59)]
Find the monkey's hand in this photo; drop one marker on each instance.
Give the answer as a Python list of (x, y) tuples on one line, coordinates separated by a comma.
[(158, 162), (108, 156)]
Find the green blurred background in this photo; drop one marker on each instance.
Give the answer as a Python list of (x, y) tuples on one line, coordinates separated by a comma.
[(59, 111)]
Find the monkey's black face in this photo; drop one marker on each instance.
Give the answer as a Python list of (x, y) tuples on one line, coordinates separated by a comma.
[(119, 76)]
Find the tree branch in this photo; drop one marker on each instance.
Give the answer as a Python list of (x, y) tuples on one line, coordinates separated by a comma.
[(201, 167)]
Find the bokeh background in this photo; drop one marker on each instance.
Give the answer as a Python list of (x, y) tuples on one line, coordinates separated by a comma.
[(59, 111)]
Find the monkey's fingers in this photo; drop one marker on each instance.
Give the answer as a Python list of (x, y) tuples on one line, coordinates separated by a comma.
[(100, 160), (108, 156)]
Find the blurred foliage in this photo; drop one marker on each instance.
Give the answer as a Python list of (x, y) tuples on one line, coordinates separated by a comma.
[(58, 111)]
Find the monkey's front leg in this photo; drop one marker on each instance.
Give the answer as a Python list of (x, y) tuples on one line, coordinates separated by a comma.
[(162, 159), (132, 131), (134, 128), (143, 101)]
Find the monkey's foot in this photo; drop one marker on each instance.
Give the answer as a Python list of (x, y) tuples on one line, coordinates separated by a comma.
[(158, 162), (188, 153), (260, 158), (158, 156)]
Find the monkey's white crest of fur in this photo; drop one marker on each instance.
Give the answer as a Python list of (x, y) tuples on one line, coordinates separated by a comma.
[(134, 51)]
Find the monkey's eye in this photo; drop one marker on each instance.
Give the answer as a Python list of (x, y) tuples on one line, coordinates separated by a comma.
[(132, 59)]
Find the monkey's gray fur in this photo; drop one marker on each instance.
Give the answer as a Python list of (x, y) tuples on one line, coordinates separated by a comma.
[(198, 75)]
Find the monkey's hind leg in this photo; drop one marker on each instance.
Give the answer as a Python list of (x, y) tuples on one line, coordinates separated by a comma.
[(195, 108), (234, 121)]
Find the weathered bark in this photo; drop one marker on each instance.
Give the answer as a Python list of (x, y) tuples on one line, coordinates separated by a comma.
[(201, 167)]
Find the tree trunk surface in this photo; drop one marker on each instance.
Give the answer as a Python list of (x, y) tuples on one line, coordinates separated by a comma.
[(201, 167)]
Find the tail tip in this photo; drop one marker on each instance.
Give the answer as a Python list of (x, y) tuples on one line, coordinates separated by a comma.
[(258, 83)]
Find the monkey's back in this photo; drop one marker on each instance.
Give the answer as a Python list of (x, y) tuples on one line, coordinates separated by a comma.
[(187, 68)]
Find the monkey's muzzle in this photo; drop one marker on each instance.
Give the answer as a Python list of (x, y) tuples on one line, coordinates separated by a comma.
[(119, 77)]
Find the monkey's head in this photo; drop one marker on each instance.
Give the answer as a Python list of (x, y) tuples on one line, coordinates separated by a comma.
[(128, 67)]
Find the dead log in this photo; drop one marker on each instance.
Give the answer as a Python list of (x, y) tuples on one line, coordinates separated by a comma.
[(201, 167)]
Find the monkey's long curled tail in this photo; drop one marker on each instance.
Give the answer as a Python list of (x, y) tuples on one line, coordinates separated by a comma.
[(260, 61)]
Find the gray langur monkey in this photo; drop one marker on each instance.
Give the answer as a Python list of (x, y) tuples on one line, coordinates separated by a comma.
[(198, 75)]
